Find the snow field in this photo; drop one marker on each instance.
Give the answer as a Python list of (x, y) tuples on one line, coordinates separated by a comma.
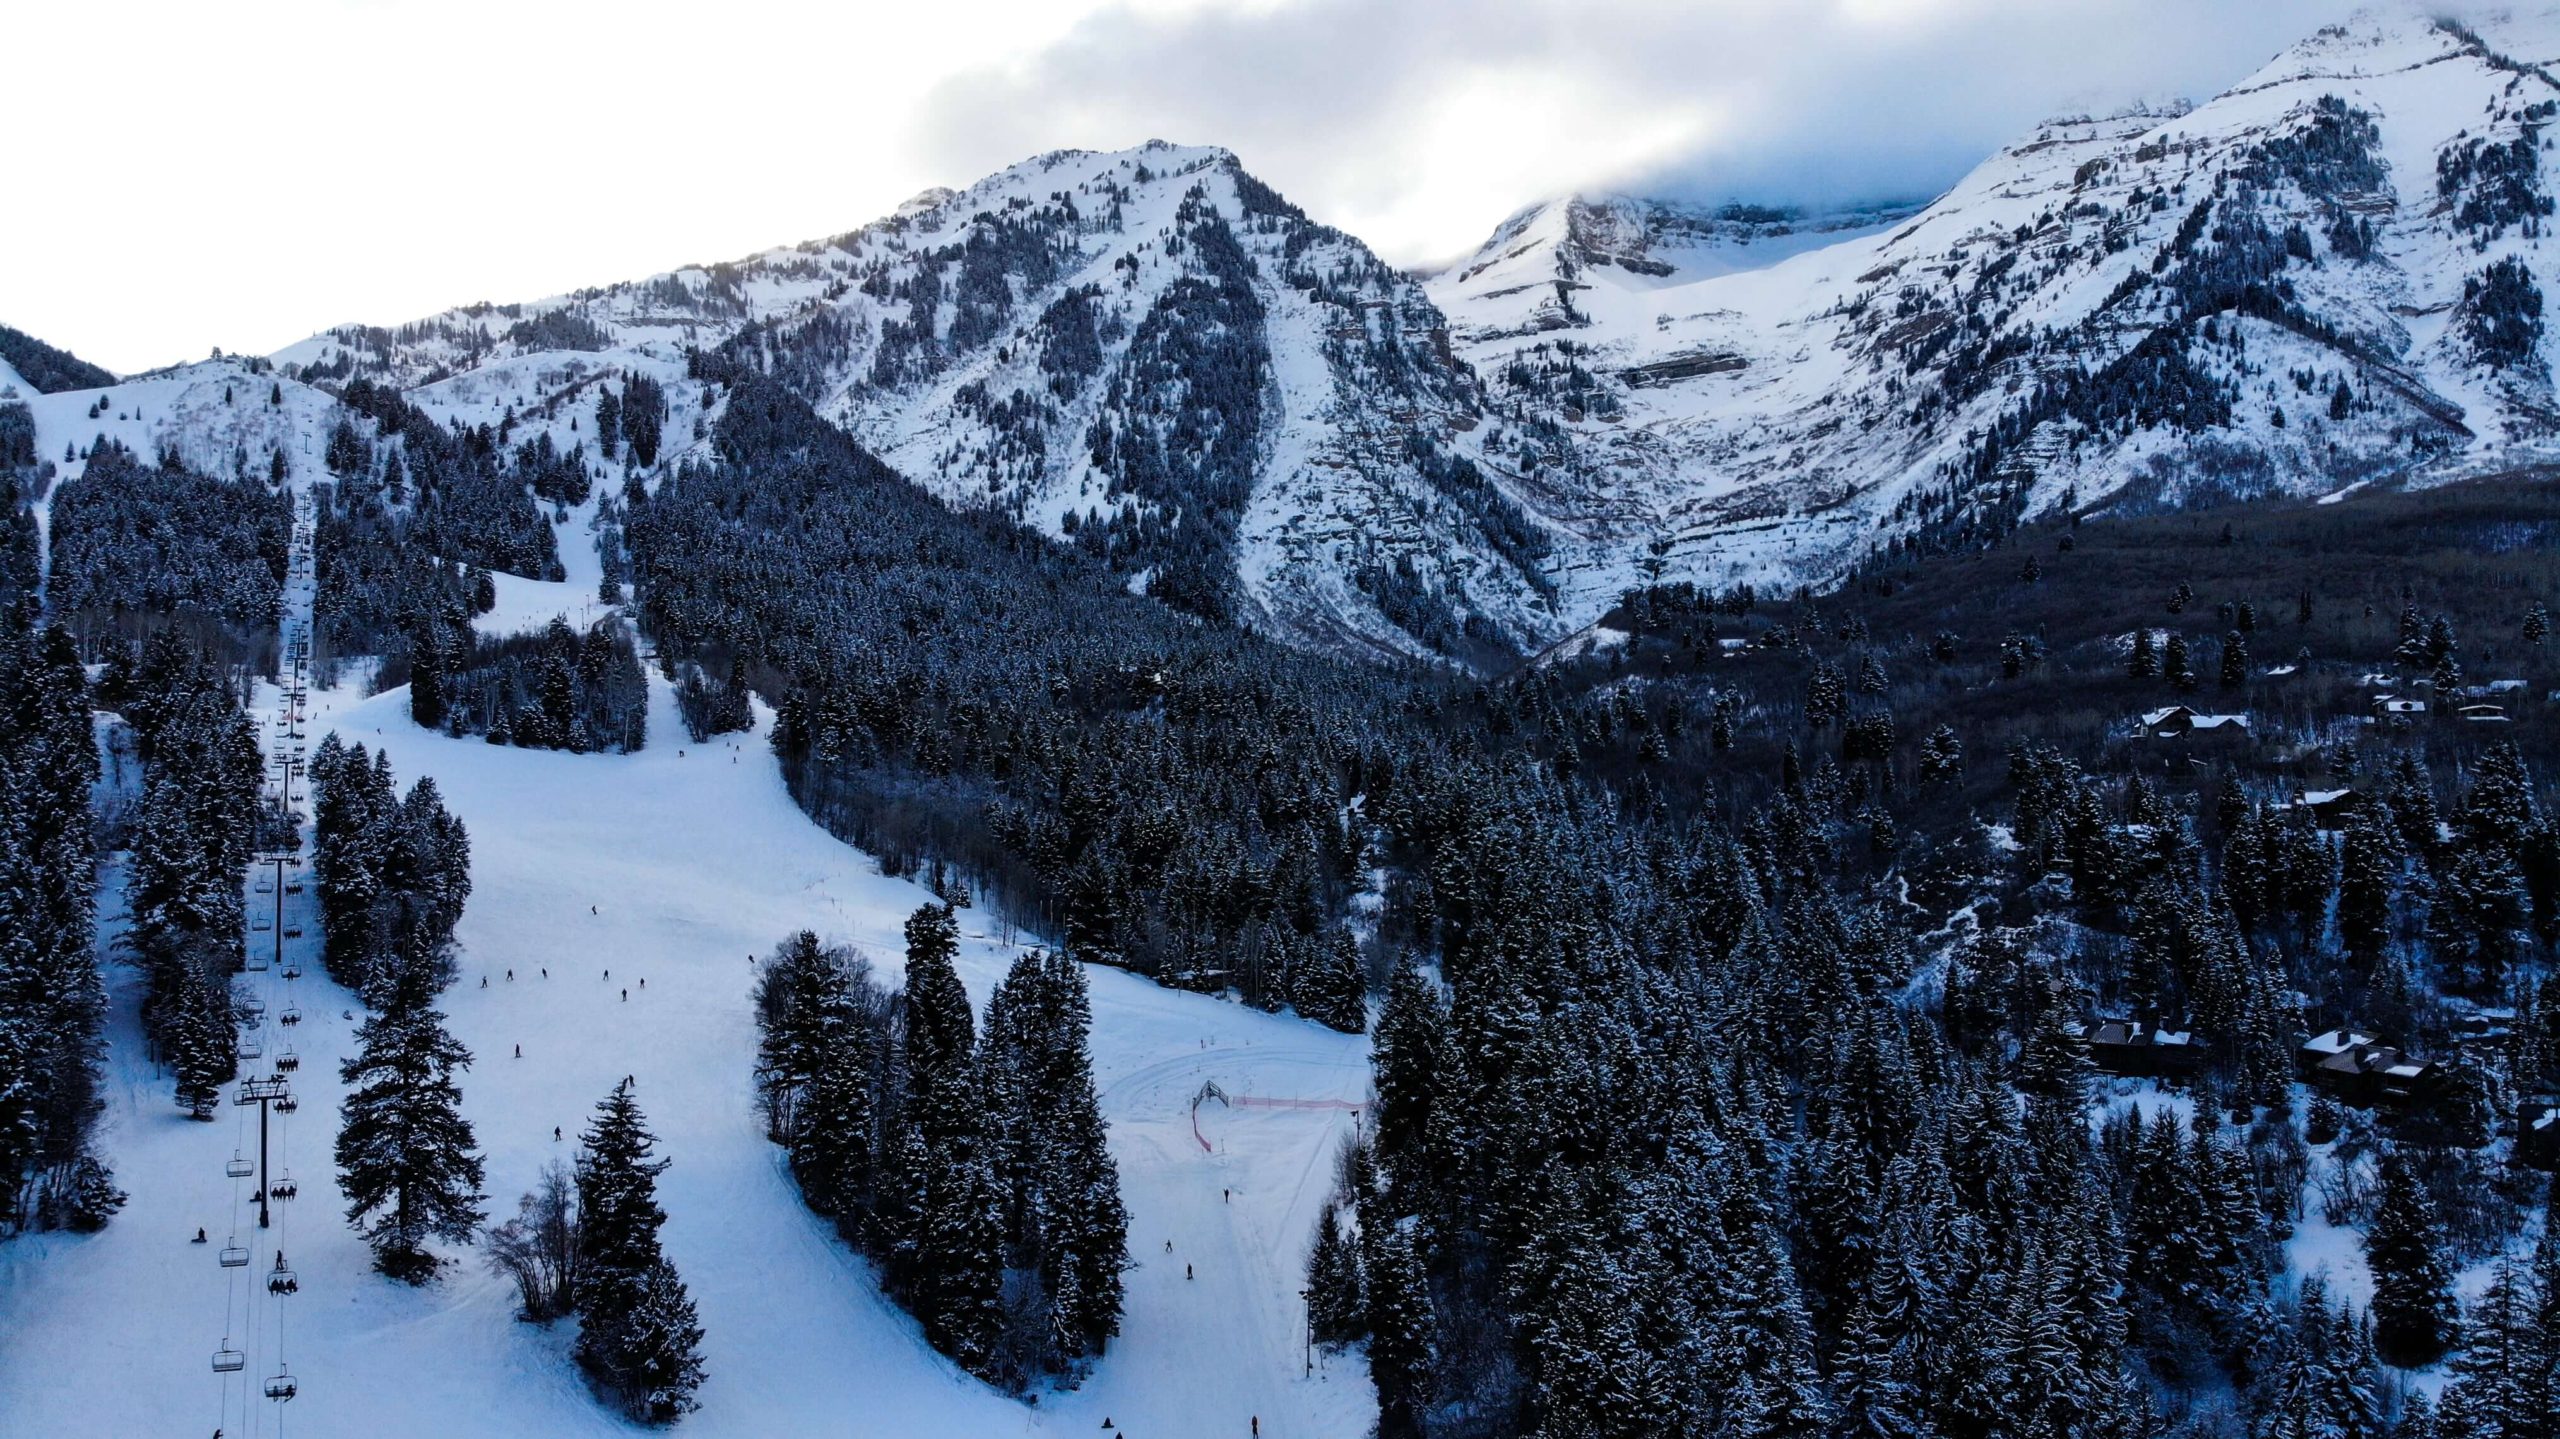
[(667, 869)]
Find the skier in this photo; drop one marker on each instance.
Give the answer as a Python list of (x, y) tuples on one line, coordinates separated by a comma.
[(484, 981), (519, 1051), (199, 1239), (555, 1134), (626, 996), (1186, 1271)]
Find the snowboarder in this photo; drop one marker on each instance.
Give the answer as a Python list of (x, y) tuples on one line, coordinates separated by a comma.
[(199, 1239), (591, 909), (511, 976)]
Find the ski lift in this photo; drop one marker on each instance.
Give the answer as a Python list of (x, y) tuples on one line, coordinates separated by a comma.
[(293, 931), (239, 1167), (255, 963), (261, 925), (251, 1047), (233, 1256), (287, 1061), (292, 1015), (287, 1104), (284, 1187), (281, 1280), (266, 886), (293, 971), (253, 1009), (227, 1360), (281, 1387)]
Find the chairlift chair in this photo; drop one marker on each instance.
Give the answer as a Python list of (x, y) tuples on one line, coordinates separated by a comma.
[(293, 971), (234, 1255), (284, 1187), (250, 1047), (261, 924), (255, 963), (227, 1360), (287, 1104), (239, 1167), (281, 1387), (292, 1015), (287, 1061), (253, 1009), (281, 1280)]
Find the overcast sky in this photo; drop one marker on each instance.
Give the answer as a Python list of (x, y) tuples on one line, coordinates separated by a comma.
[(185, 175)]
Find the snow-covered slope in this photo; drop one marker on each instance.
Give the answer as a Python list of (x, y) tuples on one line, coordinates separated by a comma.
[(2149, 305), (1148, 349), (692, 858)]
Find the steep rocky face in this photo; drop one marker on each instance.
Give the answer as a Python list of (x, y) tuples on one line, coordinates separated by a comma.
[(2329, 276), (1149, 353)]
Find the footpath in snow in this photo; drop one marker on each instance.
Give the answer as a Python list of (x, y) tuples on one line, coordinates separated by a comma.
[(671, 866)]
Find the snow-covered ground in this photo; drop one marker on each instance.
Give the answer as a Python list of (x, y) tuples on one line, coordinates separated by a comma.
[(670, 866)]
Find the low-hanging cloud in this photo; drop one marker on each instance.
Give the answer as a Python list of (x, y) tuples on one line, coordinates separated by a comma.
[(1418, 124)]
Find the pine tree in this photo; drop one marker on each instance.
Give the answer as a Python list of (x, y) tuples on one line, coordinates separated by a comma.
[(1328, 987), (2175, 665), (2413, 1304), (2142, 662), (1402, 1349), (660, 1348), (638, 1334), (406, 1156), (1337, 1307)]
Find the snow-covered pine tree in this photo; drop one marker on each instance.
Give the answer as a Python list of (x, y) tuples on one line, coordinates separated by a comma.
[(638, 1334), (407, 1160), (1337, 1306), (2414, 1312)]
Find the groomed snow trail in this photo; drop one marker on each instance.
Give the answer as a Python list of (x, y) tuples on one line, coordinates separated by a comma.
[(673, 866)]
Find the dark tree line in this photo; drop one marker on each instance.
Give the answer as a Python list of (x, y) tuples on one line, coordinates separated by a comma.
[(197, 826), (453, 492), (52, 1003), (552, 688), (972, 1167), (130, 537), (49, 369), (393, 874)]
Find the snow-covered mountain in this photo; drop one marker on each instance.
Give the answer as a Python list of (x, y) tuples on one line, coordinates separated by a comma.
[(2330, 275), (1148, 350)]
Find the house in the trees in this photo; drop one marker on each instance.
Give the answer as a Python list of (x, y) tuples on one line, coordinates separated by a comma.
[(2134, 1047), (2394, 707), (2483, 713), (2330, 808), (2361, 1070), (2538, 1133), (2181, 722)]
